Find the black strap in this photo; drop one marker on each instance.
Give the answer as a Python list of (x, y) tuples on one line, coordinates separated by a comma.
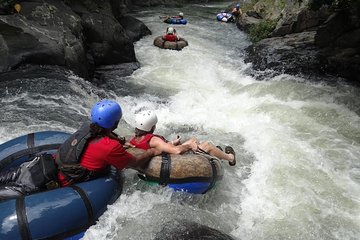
[(165, 168), (213, 167), (27, 152), (214, 175), (22, 219), (87, 203), (177, 180), (31, 140)]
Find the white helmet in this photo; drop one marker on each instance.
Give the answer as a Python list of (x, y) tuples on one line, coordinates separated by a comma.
[(181, 14), (170, 30), (145, 120)]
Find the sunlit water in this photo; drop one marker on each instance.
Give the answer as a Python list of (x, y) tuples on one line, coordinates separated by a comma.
[(297, 141)]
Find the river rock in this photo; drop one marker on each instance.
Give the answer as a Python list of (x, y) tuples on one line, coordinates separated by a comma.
[(44, 33), (294, 53), (134, 28), (339, 40), (79, 35), (188, 230)]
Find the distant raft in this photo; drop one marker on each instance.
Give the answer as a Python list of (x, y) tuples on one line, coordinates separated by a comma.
[(225, 17), (177, 45), (192, 173), (175, 21)]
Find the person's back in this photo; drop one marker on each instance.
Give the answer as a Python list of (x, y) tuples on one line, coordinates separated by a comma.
[(170, 35), (103, 151)]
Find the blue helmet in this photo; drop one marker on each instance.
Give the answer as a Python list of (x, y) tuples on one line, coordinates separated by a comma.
[(237, 6), (106, 113)]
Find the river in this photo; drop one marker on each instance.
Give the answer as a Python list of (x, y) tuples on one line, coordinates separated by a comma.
[(297, 140)]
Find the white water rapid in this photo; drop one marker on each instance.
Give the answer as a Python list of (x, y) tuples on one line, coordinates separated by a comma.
[(297, 141)]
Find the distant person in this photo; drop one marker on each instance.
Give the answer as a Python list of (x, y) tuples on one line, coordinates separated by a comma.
[(168, 19), (236, 11), (179, 16), (144, 138), (171, 35)]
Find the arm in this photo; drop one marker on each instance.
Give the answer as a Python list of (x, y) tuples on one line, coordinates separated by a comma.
[(141, 157), (176, 141), (167, 147)]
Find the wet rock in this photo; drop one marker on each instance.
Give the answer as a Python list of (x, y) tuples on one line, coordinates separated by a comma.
[(305, 20), (308, 41), (79, 35), (44, 33), (134, 28), (245, 22), (339, 40), (293, 53), (187, 230)]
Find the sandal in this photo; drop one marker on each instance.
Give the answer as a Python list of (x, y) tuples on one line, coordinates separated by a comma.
[(219, 148), (229, 149)]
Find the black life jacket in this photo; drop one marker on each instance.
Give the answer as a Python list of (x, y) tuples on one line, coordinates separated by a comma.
[(69, 155)]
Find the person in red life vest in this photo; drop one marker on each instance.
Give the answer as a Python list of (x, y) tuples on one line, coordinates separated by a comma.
[(85, 155), (145, 124), (95, 147), (171, 35)]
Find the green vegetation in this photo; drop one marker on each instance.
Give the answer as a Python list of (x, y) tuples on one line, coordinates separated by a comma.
[(262, 30)]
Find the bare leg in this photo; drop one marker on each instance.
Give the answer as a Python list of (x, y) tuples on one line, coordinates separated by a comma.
[(216, 152)]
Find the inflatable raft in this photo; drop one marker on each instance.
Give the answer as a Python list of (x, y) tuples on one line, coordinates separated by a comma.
[(62, 213), (193, 173), (225, 17), (177, 45), (175, 21)]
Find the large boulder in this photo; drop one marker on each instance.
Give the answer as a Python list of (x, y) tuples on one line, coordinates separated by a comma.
[(304, 20), (294, 53), (79, 35), (44, 33), (317, 40), (339, 40), (134, 28), (246, 21)]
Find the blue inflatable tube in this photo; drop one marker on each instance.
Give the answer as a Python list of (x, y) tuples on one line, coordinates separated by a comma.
[(176, 21), (192, 173), (62, 213), (225, 17)]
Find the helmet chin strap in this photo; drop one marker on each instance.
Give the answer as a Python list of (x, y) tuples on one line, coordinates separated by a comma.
[(152, 129), (115, 125)]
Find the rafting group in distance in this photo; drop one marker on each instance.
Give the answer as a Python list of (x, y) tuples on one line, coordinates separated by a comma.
[(171, 40)]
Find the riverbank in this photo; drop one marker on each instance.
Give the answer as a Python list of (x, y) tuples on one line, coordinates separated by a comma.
[(87, 37), (304, 37)]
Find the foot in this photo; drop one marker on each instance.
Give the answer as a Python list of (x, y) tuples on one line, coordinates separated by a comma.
[(230, 150)]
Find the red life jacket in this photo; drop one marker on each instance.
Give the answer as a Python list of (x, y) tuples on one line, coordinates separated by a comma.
[(144, 142), (170, 37)]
